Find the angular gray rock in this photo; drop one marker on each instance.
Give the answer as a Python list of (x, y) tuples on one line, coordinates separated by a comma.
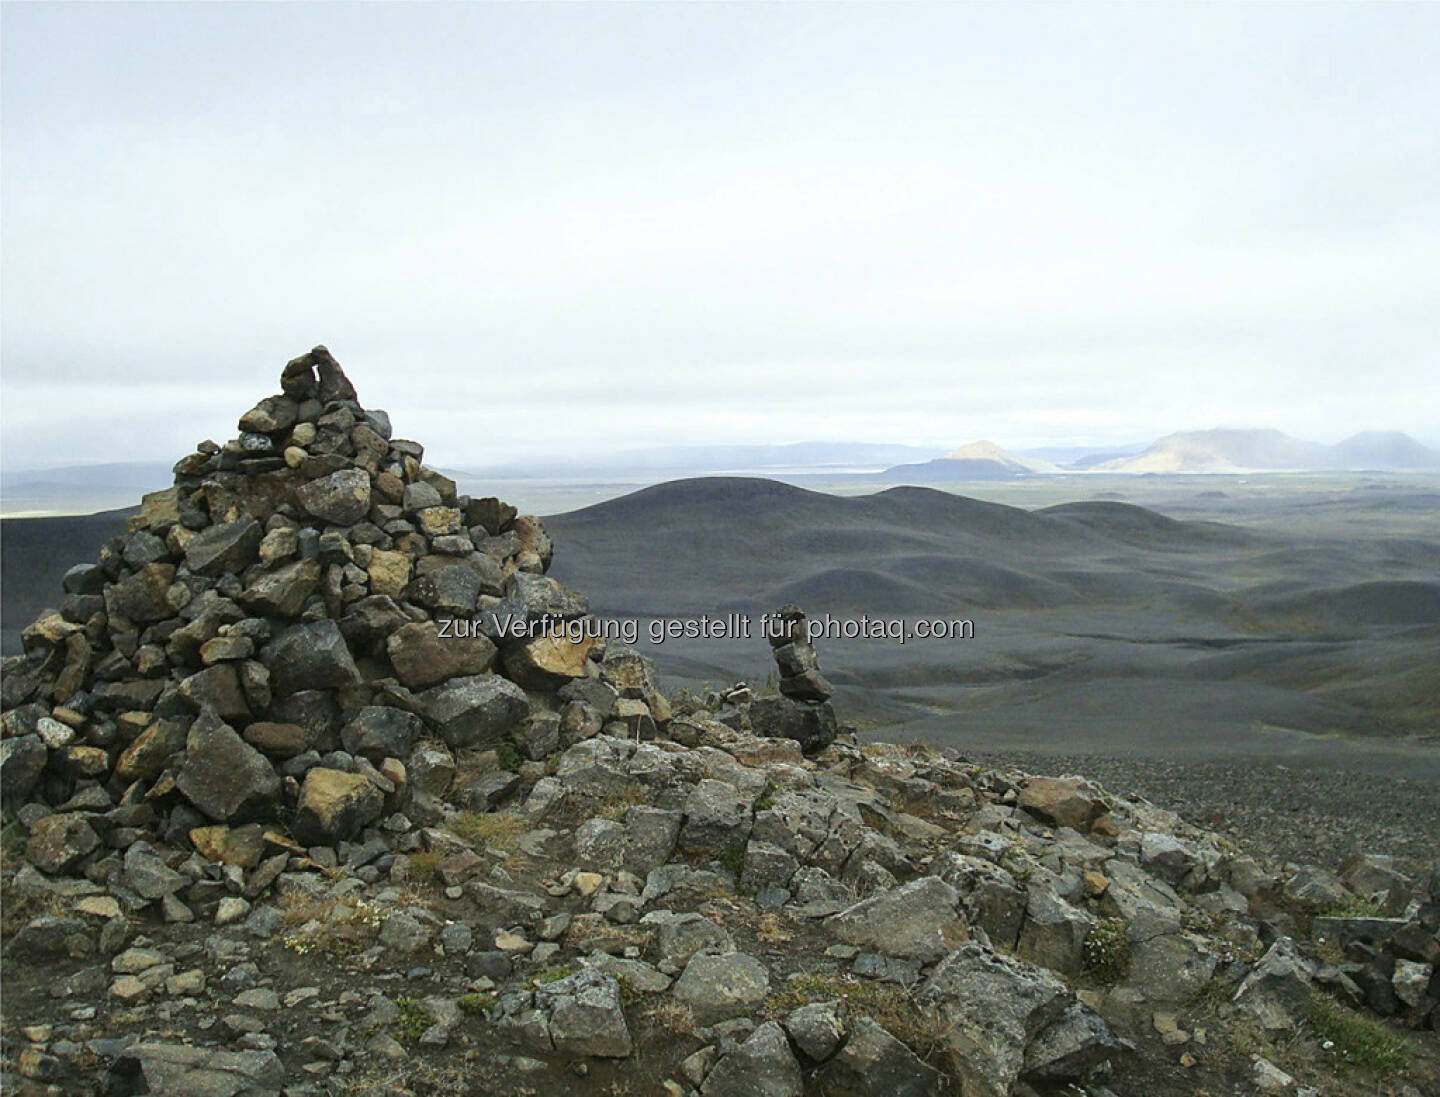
[(310, 656), (717, 985), (380, 732), (918, 920), (480, 710), (227, 548), (342, 498), (875, 1064), (763, 1066), (227, 779), (990, 1007), (585, 1015)]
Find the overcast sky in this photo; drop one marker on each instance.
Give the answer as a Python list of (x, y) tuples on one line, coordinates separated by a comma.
[(580, 228)]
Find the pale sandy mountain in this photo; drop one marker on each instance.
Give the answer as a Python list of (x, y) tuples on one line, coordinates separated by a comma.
[(1226, 450)]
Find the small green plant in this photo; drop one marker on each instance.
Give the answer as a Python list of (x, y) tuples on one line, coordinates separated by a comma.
[(1353, 906), (1352, 1039), (887, 1004), (630, 993), (766, 800), (554, 974), (414, 1019), (1106, 950), (476, 1004), (733, 860), (507, 756)]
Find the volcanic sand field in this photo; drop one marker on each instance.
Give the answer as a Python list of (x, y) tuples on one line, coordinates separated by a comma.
[(1269, 619)]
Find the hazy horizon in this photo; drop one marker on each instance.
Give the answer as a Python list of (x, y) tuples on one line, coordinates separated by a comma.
[(567, 231)]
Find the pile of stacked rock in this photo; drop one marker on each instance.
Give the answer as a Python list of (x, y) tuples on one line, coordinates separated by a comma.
[(303, 629)]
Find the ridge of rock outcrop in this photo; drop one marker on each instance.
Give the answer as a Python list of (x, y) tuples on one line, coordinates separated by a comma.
[(288, 811)]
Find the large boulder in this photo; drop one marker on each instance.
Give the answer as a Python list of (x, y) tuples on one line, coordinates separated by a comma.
[(480, 710), (342, 498), (226, 778), (875, 1064), (990, 1007), (197, 1071), (814, 727), (335, 805), (763, 1066), (227, 548), (918, 920), (310, 656), (423, 657)]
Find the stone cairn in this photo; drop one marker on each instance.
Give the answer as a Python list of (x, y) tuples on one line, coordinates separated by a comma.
[(267, 644)]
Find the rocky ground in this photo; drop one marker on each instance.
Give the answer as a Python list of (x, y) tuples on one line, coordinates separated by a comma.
[(276, 823), (1310, 814)]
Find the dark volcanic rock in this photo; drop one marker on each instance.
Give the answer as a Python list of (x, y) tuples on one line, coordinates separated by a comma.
[(813, 726), (310, 656), (227, 779), (226, 548), (481, 710)]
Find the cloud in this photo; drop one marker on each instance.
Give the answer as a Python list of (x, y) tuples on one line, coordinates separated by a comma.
[(554, 229)]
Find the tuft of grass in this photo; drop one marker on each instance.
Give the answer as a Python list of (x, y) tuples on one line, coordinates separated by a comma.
[(414, 1019), (476, 1004), (617, 804), (336, 927), (20, 907), (887, 1004), (507, 756), (1353, 906), (1355, 1040), (424, 863), (1106, 951), (554, 974), (671, 1016), (497, 829)]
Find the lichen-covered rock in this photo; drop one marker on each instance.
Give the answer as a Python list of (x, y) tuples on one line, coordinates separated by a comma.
[(423, 657), (342, 498), (585, 1015), (59, 842), (716, 985), (918, 920), (335, 805), (226, 778), (763, 1066), (479, 710)]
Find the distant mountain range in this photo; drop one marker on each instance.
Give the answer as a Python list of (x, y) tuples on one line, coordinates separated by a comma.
[(1270, 450), (978, 461), (1201, 451), (85, 489)]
